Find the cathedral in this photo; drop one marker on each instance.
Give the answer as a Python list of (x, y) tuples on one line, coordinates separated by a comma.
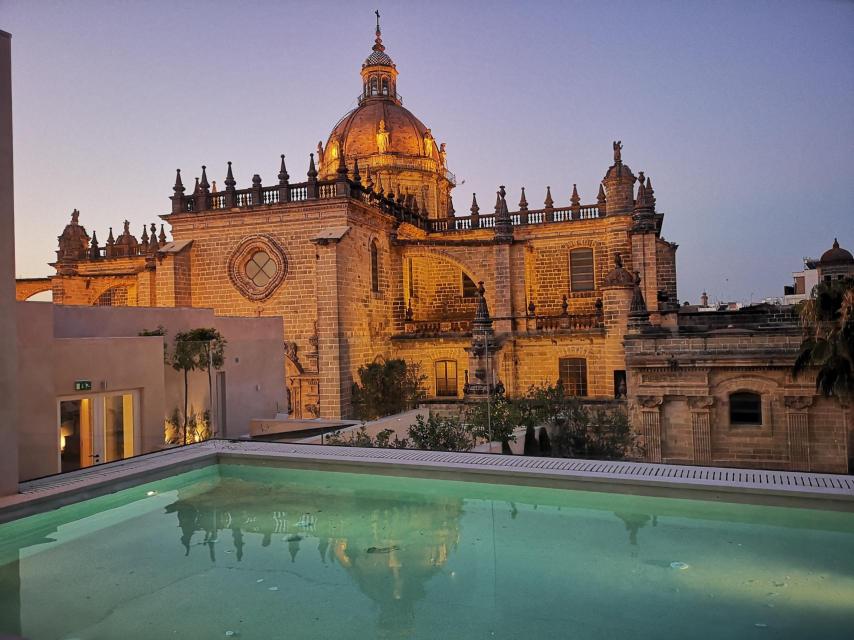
[(366, 258)]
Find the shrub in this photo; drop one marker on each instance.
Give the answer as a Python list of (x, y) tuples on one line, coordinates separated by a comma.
[(501, 414), (440, 434), (386, 388)]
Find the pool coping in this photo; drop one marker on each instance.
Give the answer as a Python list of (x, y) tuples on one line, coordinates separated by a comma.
[(783, 488)]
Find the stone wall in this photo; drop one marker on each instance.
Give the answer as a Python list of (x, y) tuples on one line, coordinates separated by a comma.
[(680, 390), (334, 322)]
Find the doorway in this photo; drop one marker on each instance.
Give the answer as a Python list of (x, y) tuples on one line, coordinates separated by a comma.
[(97, 428)]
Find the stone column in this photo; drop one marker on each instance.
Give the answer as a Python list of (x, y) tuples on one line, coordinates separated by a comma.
[(701, 433), (645, 261), (798, 433), (501, 290), (616, 300), (8, 307), (334, 395), (146, 288), (650, 413)]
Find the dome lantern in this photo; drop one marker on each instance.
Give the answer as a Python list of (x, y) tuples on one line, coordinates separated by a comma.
[(389, 141), (379, 73)]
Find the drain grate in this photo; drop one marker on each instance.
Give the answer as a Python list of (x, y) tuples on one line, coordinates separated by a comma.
[(672, 476)]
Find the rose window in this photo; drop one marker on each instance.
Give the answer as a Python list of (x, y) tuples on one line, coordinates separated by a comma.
[(260, 269), (257, 267)]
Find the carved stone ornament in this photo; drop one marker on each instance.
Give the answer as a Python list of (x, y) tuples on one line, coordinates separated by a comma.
[(257, 266), (798, 403), (700, 402), (650, 402)]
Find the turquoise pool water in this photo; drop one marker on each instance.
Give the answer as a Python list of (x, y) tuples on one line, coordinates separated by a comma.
[(255, 552)]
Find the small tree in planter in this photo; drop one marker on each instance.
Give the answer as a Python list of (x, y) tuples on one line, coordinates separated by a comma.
[(194, 350)]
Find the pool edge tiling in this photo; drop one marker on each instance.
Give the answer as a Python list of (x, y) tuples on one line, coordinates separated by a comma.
[(823, 491)]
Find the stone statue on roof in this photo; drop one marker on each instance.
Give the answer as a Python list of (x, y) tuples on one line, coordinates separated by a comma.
[(618, 149), (382, 137)]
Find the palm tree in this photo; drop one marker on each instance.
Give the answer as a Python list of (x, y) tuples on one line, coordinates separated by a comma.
[(828, 344)]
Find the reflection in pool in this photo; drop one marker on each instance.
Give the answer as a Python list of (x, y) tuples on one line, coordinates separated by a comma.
[(256, 552)]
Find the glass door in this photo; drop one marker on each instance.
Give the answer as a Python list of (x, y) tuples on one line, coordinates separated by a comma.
[(97, 428), (118, 427), (76, 434)]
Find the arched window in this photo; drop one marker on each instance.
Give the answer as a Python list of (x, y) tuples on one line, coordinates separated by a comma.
[(446, 378), (581, 270), (375, 266), (745, 408), (385, 86), (373, 85)]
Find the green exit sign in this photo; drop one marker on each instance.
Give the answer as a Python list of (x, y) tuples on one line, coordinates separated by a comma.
[(82, 385)]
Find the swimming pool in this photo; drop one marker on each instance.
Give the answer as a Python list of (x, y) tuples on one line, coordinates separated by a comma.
[(238, 550)]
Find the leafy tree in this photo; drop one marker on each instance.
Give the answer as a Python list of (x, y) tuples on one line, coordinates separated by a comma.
[(828, 344), (386, 388), (496, 419), (577, 431), (194, 350), (437, 433)]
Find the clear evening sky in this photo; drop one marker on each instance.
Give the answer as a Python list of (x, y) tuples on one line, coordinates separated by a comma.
[(741, 112)]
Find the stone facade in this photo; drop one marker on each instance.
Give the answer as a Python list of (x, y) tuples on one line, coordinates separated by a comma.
[(366, 259), (688, 384)]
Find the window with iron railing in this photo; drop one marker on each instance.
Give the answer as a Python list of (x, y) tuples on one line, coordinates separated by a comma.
[(573, 376)]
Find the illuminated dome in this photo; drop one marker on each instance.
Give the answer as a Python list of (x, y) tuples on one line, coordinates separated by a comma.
[(358, 130), (394, 147)]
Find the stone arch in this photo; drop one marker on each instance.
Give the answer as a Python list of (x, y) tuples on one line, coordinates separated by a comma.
[(26, 288), (432, 252), (768, 388), (97, 287)]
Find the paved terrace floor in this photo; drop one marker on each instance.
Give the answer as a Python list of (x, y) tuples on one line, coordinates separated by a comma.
[(784, 488)]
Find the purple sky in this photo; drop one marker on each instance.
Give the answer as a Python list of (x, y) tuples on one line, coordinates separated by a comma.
[(741, 112)]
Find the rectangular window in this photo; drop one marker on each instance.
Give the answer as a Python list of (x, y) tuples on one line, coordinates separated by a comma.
[(573, 376), (446, 378), (745, 408), (581, 270)]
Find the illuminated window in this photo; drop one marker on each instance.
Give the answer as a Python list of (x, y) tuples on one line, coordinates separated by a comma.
[(469, 287), (745, 408), (573, 376), (373, 85), (446, 378), (581, 270), (375, 266), (260, 269), (385, 86)]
